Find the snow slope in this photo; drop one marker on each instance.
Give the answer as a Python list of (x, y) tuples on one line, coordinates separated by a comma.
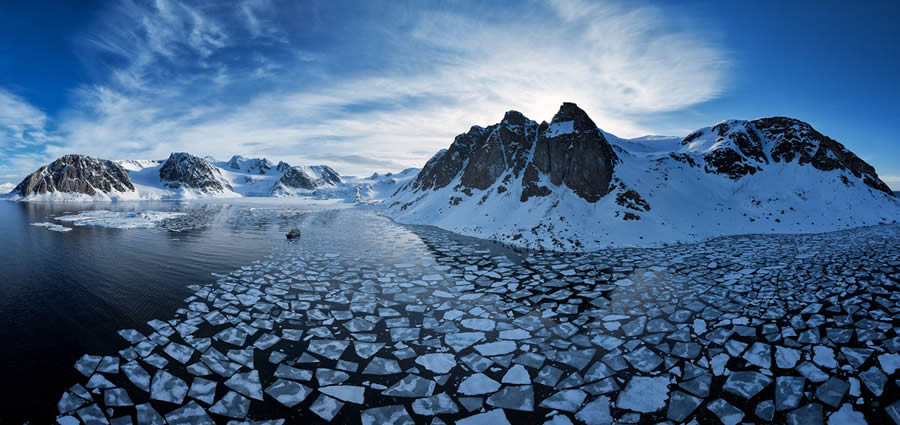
[(662, 192)]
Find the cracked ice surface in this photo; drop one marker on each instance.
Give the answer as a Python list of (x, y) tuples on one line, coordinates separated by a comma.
[(365, 321)]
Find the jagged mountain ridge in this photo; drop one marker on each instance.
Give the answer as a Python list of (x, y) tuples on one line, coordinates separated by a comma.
[(182, 175), (569, 185)]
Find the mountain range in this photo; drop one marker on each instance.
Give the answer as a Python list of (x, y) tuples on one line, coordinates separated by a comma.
[(187, 176), (563, 185), (568, 185)]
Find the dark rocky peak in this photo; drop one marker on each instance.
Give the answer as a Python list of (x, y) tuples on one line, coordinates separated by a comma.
[(326, 174), (251, 165), (184, 169), (283, 166), (792, 139), (578, 157), (76, 174), (571, 112), (514, 118)]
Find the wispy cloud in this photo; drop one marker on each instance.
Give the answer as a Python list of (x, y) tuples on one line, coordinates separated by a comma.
[(391, 85), (21, 123)]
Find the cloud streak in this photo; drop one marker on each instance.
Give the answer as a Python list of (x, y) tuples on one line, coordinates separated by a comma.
[(389, 86)]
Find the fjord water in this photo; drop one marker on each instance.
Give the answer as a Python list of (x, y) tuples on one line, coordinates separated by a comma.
[(63, 294)]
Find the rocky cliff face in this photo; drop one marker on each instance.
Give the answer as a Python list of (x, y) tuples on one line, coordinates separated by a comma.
[(568, 152), (738, 148), (76, 174), (186, 170)]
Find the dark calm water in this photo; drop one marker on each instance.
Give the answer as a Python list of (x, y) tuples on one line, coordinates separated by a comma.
[(66, 294)]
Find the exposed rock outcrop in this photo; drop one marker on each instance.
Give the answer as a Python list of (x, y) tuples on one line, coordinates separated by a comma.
[(738, 148), (186, 170), (76, 174), (570, 151)]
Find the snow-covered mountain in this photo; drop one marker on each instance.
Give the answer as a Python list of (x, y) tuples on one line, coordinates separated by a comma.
[(77, 176), (186, 176), (568, 185)]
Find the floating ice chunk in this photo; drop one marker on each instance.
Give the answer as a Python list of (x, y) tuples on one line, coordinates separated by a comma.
[(92, 415), (437, 404), (167, 387), (479, 324), (244, 357), (67, 420), (462, 340), (857, 356), (266, 341), (832, 391), (595, 412), (203, 390), (889, 362), (146, 415), (288, 393), (643, 359), (98, 381), (52, 226), (477, 384), (644, 394), (69, 403), (496, 348), (567, 401), (728, 414), (387, 415), (232, 405), (515, 334), (517, 375), (788, 392), (120, 219), (786, 358), (682, 405), (847, 416), (382, 366), (811, 414), (87, 364), (367, 349), (330, 349), (246, 384), (824, 356), (874, 379), (346, 393), (438, 363), (330, 377), (760, 355), (746, 384), (232, 336), (109, 364), (326, 407), (180, 353), (515, 397), (493, 417), (811, 372), (411, 386), (288, 372), (189, 414), (116, 397)]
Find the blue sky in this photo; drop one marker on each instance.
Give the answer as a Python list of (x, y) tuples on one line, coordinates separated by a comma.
[(368, 86)]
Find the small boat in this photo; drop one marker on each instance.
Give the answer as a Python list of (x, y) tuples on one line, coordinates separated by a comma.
[(293, 234)]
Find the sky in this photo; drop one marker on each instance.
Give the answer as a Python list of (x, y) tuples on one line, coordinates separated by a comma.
[(383, 85)]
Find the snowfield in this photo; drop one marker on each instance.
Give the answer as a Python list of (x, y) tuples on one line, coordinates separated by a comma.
[(662, 192)]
